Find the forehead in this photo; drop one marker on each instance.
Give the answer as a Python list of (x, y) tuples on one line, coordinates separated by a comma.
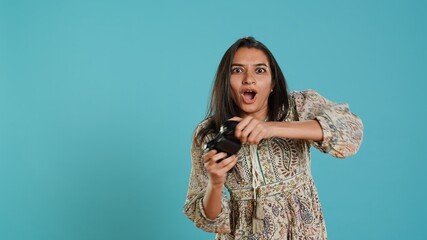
[(250, 56)]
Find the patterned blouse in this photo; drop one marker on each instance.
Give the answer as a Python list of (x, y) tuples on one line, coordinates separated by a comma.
[(283, 203)]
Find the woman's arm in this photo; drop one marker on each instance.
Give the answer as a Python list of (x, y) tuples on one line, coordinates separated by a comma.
[(331, 127), (217, 173), (252, 130), (342, 130), (203, 194), (306, 130), (212, 201)]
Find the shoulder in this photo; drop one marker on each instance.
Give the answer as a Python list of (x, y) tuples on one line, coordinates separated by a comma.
[(203, 129), (308, 103), (299, 98), (203, 124), (301, 95)]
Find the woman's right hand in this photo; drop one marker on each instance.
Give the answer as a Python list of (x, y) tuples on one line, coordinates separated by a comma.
[(217, 171)]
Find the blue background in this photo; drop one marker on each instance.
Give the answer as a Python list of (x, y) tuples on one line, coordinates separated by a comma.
[(99, 100)]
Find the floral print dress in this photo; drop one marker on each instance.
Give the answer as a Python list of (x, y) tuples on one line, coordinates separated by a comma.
[(271, 190)]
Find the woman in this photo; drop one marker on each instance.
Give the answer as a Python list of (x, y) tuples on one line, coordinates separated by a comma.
[(271, 190)]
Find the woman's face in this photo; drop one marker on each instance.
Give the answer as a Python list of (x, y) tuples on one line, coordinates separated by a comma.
[(251, 82)]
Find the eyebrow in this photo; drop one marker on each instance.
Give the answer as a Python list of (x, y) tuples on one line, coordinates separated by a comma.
[(241, 65)]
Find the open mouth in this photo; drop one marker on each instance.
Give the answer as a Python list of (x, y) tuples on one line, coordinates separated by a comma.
[(249, 96)]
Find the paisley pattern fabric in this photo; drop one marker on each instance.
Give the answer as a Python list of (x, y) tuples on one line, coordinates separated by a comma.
[(287, 196)]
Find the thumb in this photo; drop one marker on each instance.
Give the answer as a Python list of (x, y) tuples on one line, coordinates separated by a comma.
[(235, 118)]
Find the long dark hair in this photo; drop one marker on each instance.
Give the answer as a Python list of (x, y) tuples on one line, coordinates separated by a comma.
[(222, 106)]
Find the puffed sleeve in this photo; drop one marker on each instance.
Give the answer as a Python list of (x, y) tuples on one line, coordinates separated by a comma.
[(193, 207), (342, 130)]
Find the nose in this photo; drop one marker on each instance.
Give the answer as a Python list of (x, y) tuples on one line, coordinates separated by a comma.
[(248, 79)]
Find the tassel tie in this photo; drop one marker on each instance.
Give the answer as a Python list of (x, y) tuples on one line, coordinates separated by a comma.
[(258, 216), (258, 212)]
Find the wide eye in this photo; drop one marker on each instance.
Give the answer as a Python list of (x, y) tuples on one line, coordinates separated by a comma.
[(260, 70), (236, 70)]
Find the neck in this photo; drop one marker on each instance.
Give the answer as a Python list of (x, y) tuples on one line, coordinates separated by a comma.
[(259, 116)]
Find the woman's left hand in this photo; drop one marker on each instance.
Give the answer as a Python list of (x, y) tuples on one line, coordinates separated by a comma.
[(251, 130)]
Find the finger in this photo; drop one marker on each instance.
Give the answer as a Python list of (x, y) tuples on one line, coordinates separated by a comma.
[(249, 129), (211, 164), (208, 155), (241, 126), (255, 138), (230, 163), (257, 134), (218, 157), (225, 162), (238, 119)]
